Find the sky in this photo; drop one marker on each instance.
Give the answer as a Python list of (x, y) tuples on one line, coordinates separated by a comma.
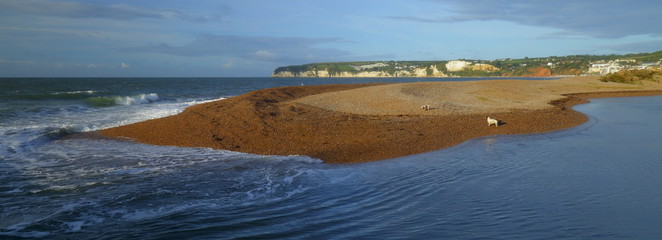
[(250, 38)]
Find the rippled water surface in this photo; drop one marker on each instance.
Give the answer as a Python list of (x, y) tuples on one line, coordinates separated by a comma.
[(600, 180)]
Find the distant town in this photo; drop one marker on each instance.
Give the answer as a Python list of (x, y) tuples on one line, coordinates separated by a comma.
[(613, 66)]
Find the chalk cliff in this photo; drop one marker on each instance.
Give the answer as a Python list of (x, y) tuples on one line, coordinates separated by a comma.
[(461, 65), (423, 71)]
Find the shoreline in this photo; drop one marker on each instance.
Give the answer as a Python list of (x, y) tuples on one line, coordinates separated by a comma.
[(337, 124)]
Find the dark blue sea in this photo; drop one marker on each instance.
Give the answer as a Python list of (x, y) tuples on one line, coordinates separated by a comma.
[(600, 180)]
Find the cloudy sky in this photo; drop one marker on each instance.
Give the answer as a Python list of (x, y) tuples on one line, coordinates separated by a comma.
[(245, 38)]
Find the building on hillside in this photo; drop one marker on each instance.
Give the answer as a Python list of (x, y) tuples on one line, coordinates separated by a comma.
[(650, 66), (605, 68)]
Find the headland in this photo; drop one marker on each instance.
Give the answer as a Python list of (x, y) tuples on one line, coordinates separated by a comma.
[(368, 122)]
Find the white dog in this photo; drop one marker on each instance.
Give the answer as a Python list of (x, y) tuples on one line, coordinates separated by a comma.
[(426, 107), (492, 121)]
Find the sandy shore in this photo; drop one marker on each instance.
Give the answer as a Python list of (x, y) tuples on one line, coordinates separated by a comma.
[(367, 122)]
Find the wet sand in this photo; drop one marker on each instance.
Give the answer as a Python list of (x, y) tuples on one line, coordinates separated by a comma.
[(368, 122)]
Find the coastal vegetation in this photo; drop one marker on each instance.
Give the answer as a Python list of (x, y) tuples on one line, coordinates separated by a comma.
[(633, 76), (535, 67)]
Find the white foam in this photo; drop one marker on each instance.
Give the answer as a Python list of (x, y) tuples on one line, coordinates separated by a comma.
[(18, 233), (196, 102), (58, 188), (82, 221), (74, 226), (75, 92), (139, 113), (153, 213), (137, 99), (25, 221)]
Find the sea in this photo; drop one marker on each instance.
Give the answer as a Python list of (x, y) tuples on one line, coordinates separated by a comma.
[(599, 180)]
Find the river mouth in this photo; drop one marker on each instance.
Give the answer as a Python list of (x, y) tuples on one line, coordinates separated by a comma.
[(596, 180)]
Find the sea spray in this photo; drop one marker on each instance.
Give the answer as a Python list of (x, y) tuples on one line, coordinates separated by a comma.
[(44, 123)]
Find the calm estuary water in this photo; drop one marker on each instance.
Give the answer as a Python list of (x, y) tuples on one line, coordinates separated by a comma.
[(600, 180)]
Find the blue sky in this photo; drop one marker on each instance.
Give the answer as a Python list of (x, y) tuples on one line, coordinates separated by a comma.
[(232, 38)]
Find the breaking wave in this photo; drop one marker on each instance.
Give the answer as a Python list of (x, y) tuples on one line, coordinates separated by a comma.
[(122, 100)]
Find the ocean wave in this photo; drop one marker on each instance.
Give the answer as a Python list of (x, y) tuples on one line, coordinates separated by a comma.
[(122, 100), (40, 125), (63, 95), (87, 92), (58, 132), (134, 184)]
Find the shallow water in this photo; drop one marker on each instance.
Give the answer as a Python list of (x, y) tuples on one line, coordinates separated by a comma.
[(596, 181)]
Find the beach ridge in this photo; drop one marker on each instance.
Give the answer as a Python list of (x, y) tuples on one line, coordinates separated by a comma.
[(368, 122)]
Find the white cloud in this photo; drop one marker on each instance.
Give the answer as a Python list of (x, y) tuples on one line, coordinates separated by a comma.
[(603, 19), (71, 9), (265, 54), (272, 49), (124, 65), (644, 46)]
